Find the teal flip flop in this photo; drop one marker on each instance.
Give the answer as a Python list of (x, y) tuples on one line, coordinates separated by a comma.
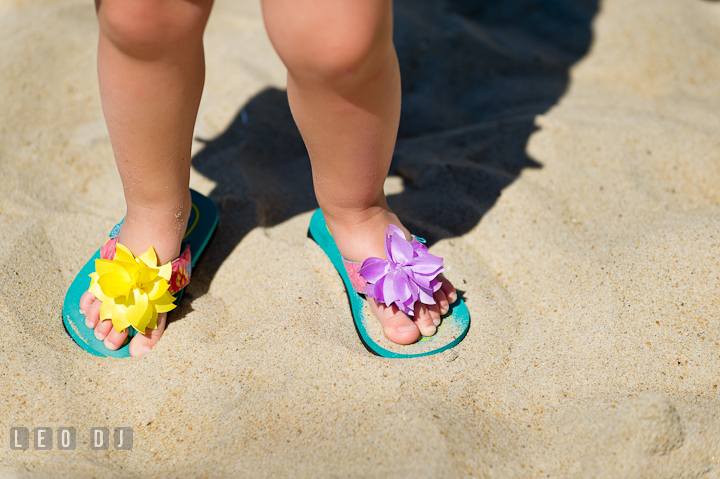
[(201, 225), (451, 331)]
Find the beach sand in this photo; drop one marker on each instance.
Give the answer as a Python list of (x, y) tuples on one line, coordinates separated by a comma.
[(564, 159)]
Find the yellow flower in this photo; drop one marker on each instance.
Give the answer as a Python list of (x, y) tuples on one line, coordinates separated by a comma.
[(133, 290)]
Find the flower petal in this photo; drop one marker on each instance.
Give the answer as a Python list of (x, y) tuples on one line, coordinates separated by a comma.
[(120, 324), (150, 258), (425, 296), (113, 285), (376, 290), (395, 231), (106, 310), (426, 264), (123, 254), (421, 280), (118, 314), (396, 287), (407, 307), (152, 324), (165, 271), (401, 251), (105, 266), (97, 291), (419, 248), (373, 269), (165, 303), (156, 289), (146, 318), (136, 311), (147, 275)]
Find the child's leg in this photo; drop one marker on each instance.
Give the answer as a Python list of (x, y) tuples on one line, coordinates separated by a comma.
[(344, 92), (151, 70)]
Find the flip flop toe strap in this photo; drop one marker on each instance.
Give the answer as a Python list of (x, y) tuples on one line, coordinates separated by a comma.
[(135, 289), (181, 266), (407, 276), (181, 270), (353, 270)]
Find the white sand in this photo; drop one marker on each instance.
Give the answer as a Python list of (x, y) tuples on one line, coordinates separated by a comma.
[(592, 281)]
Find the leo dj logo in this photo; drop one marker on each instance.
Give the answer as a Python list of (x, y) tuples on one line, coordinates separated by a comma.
[(66, 438)]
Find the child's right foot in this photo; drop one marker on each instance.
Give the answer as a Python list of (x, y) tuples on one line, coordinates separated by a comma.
[(360, 235), (162, 228)]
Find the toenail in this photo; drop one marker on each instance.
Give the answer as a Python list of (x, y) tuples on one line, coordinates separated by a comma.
[(402, 329), (436, 321), (99, 335), (431, 330), (452, 297), (82, 311), (88, 323), (143, 350)]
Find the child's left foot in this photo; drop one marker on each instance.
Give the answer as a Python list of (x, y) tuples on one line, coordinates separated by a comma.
[(360, 235)]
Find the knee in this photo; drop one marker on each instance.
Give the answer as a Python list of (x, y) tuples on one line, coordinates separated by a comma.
[(332, 48), (148, 28)]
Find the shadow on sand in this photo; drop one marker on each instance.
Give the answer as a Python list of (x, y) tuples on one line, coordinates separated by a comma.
[(475, 73)]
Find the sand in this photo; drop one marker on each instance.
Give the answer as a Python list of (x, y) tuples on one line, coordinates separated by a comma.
[(562, 156)]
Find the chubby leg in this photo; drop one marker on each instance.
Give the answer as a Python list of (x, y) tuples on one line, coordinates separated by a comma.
[(151, 69), (344, 92)]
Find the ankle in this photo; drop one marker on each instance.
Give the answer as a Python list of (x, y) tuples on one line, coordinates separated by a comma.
[(349, 218), (354, 220), (161, 226), (360, 233)]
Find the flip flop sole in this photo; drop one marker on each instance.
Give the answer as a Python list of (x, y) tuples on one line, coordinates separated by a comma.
[(452, 330), (202, 224)]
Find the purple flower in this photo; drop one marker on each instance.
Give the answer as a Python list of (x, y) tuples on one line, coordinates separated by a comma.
[(409, 274)]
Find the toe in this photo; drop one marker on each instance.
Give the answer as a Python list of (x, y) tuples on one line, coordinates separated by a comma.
[(114, 340), (434, 314), (141, 344), (92, 314), (442, 301), (86, 300), (398, 327), (424, 319), (448, 289), (103, 329)]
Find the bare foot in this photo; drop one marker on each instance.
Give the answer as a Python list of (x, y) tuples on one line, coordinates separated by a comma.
[(360, 235), (162, 228)]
